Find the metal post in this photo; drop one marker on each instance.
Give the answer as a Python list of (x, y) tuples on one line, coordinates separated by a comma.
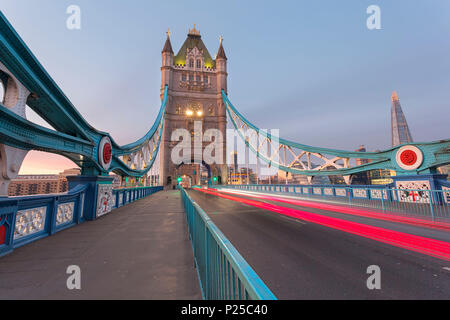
[(207, 271), (246, 163), (349, 195), (431, 204), (257, 159)]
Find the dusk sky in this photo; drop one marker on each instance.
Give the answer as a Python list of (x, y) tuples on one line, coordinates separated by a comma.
[(310, 68)]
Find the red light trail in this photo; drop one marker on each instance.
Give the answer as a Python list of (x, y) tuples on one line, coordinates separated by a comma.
[(352, 211), (431, 247)]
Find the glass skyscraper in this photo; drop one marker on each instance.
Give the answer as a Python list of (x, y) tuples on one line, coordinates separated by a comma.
[(399, 126)]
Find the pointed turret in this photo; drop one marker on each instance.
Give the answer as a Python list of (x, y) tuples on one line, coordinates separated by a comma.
[(221, 67), (167, 46), (221, 53), (167, 63)]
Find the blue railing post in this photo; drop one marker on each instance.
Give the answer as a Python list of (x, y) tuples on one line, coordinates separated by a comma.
[(52, 212), (431, 205), (349, 191), (206, 263)]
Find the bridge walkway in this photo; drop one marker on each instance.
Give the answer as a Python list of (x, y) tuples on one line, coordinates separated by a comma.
[(139, 251)]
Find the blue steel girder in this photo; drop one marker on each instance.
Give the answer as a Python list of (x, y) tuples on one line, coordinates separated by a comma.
[(435, 154), (74, 137), (18, 132), (46, 98)]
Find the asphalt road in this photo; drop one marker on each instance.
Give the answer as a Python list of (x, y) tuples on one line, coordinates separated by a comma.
[(302, 260)]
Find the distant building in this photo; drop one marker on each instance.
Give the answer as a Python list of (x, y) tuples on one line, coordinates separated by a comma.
[(381, 176), (360, 162), (234, 156), (361, 178), (399, 126), (237, 178), (241, 176), (296, 178), (31, 184)]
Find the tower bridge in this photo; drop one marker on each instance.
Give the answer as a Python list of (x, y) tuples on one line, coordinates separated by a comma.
[(195, 83), (408, 219)]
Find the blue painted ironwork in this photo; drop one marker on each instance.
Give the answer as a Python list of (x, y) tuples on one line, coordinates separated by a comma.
[(74, 137), (435, 154), (223, 272)]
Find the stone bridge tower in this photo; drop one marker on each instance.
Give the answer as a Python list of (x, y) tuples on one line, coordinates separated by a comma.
[(195, 82)]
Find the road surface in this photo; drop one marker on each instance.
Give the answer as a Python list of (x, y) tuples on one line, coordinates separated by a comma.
[(298, 259)]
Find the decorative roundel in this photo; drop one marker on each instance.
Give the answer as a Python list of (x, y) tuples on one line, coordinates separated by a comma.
[(105, 153), (409, 157)]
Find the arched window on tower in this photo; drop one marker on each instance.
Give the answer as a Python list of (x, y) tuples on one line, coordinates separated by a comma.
[(191, 63), (199, 63)]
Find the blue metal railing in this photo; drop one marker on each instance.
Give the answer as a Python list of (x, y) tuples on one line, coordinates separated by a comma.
[(30, 218), (222, 271), (431, 204), (124, 196)]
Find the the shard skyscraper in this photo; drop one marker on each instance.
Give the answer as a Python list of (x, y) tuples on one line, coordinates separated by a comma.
[(399, 126)]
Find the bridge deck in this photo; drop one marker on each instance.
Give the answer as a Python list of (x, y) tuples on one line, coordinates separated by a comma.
[(139, 251)]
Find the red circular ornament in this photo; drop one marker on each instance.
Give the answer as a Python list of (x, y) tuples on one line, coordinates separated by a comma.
[(107, 152), (408, 157)]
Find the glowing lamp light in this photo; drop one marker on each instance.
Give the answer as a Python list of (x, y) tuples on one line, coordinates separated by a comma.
[(199, 113), (189, 112)]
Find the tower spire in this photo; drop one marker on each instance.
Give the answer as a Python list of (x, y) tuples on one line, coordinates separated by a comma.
[(221, 52), (399, 126), (394, 96), (168, 46), (194, 32)]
